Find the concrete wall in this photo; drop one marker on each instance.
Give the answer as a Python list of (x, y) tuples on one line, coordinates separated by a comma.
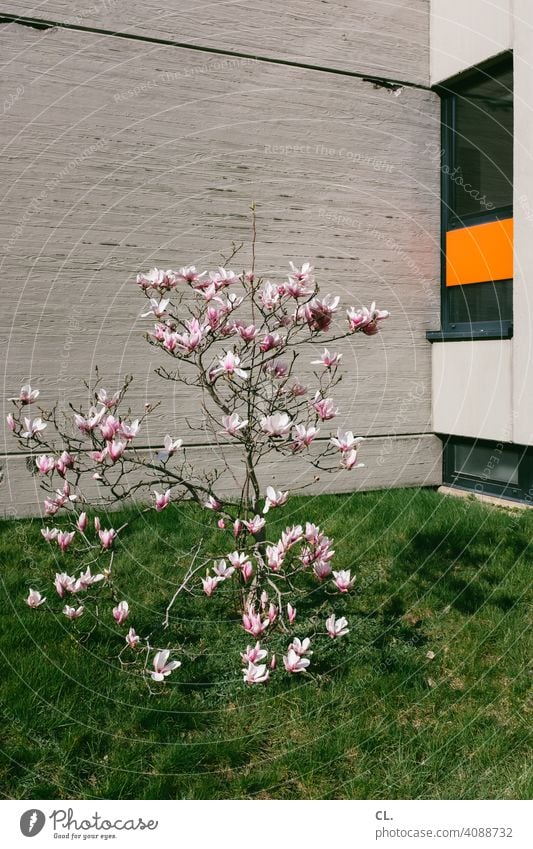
[(121, 154), (381, 37)]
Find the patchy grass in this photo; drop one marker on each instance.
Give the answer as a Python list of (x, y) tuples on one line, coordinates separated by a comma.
[(378, 719)]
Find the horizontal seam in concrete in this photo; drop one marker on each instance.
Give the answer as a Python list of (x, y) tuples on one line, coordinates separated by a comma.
[(42, 24), (230, 444)]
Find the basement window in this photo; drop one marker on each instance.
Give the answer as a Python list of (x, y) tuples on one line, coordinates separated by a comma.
[(490, 468)]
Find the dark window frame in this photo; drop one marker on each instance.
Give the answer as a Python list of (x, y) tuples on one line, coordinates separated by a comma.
[(454, 330), (483, 484)]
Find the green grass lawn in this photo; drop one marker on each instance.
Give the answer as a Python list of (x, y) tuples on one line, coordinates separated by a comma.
[(377, 719)]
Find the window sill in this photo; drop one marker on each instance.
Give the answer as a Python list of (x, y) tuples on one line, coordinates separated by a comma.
[(470, 335)]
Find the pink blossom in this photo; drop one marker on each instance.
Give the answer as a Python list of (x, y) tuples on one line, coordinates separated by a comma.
[(107, 537), (337, 627), (210, 584), (157, 308), (322, 569), (269, 295), (73, 612), (327, 360), (222, 570), (271, 340), (108, 401), (32, 427), (109, 427), (64, 583), (222, 278), (64, 538), (129, 431), (324, 407), (302, 275), (157, 279), (229, 365), (252, 623), (238, 559), (278, 424), (274, 499), (275, 555), (247, 571), (233, 424), (49, 533), (64, 462), (162, 666), (214, 316), (252, 655), (312, 532), (277, 369), (290, 536), (294, 663), (318, 313), (190, 274), (237, 527), (115, 450), (301, 647), (273, 662), (365, 319), (303, 436), (11, 423), (44, 464), (171, 445), (82, 522), (162, 499), (121, 612), (221, 524), (272, 613), (93, 419), (255, 674), (343, 581), (97, 524), (291, 613), (349, 460), (27, 395), (345, 440), (132, 639), (188, 341), (255, 525), (212, 503), (247, 332), (86, 580), (35, 599), (298, 389)]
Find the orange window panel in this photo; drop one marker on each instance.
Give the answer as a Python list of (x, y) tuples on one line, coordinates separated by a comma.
[(480, 254)]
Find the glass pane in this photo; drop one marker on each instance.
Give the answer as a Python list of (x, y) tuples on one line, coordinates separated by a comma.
[(483, 173), (486, 463), (479, 302)]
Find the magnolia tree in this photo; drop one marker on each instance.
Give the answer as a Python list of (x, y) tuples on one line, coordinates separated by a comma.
[(237, 340)]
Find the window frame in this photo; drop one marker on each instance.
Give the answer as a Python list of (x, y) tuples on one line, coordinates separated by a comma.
[(483, 329)]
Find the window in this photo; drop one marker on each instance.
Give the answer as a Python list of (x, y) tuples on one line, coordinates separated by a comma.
[(491, 468), (477, 195)]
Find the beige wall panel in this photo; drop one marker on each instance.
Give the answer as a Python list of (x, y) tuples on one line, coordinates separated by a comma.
[(472, 389), (403, 461), (380, 37), (466, 32), (119, 155)]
